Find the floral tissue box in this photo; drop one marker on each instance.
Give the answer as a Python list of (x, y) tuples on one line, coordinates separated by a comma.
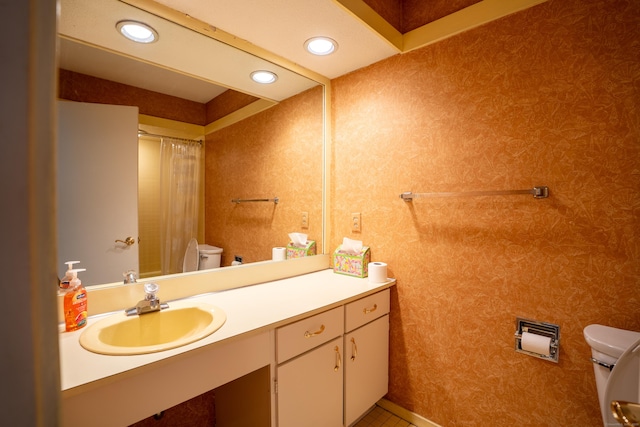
[(298, 252), (352, 265)]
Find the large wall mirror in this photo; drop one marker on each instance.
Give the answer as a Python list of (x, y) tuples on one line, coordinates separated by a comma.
[(258, 141)]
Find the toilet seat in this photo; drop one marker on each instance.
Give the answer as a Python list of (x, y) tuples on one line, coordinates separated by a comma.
[(624, 381), (191, 256)]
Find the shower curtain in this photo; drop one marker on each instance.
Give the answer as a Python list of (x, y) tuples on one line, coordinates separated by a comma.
[(179, 189)]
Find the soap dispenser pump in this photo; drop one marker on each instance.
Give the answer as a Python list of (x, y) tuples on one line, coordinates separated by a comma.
[(75, 303), (64, 283)]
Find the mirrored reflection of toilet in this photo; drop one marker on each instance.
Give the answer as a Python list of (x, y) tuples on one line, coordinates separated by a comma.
[(201, 257), (209, 257), (616, 363)]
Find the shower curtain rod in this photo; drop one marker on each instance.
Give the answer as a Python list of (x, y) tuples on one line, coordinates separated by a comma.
[(155, 135)]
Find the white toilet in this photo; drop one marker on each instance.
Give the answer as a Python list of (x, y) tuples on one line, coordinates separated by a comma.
[(209, 257), (200, 257), (616, 362)]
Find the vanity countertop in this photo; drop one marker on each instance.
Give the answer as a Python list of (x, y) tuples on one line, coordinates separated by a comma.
[(250, 310)]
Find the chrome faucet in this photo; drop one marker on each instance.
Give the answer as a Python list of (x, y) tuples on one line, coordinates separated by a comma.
[(129, 277), (149, 304)]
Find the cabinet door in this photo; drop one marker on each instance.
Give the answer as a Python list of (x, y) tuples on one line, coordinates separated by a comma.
[(366, 367), (310, 388)]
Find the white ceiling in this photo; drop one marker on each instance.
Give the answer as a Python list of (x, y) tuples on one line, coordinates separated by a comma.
[(282, 27), (279, 26)]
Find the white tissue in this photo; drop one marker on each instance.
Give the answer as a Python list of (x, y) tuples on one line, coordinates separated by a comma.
[(298, 239), (351, 246), (377, 272), (279, 254), (536, 343)]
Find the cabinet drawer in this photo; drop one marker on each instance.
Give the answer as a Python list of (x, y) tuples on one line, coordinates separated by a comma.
[(298, 337), (366, 309)]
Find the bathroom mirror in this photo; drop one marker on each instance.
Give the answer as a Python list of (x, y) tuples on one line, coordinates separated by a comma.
[(90, 24)]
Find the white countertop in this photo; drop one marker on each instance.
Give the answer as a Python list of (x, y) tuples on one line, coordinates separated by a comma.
[(250, 310)]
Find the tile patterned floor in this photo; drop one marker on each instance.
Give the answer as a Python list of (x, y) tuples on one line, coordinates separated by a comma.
[(378, 417)]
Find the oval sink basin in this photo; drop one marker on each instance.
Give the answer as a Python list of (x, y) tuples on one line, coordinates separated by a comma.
[(182, 323)]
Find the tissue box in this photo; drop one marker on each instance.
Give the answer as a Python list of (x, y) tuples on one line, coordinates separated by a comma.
[(352, 265), (298, 252)]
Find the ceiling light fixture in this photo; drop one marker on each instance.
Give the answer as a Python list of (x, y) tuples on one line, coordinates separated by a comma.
[(321, 45), (137, 31), (264, 77)]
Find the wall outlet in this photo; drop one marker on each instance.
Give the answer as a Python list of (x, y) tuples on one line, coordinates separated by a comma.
[(355, 221), (305, 220), (238, 258)]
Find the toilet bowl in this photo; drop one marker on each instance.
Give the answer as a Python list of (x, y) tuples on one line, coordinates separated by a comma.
[(616, 363), (200, 257)]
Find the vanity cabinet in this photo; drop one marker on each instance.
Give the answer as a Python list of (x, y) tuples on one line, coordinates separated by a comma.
[(327, 378), (310, 388), (309, 373), (366, 343)]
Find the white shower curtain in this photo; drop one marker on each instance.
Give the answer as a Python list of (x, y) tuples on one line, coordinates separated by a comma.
[(179, 185)]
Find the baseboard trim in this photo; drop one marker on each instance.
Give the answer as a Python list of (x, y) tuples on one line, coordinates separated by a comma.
[(406, 415)]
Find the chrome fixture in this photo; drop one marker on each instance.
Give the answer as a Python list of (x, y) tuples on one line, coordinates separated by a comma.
[(149, 304), (130, 276), (541, 192), (542, 329), (275, 200)]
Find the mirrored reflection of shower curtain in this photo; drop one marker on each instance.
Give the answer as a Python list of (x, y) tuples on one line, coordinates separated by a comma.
[(179, 185)]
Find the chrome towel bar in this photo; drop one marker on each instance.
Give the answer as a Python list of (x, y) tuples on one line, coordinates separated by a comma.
[(541, 192), (275, 200)]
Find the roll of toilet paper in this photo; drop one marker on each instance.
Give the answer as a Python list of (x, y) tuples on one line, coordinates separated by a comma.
[(279, 254), (534, 343), (377, 272)]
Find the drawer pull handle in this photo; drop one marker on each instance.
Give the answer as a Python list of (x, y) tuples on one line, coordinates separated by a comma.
[(338, 358), (354, 349), (308, 334), (370, 310)]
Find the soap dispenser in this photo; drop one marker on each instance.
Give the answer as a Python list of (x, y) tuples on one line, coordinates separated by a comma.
[(64, 283), (75, 303)]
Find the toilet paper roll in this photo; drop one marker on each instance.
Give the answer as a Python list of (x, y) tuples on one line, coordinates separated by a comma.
[(536, 343), (377, 272), (279, 254)]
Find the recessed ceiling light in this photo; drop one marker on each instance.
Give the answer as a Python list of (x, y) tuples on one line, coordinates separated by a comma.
[(264, 77), (137, 31), (321, 45)]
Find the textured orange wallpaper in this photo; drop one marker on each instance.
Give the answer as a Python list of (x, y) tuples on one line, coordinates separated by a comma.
[(548, 96), (83, 88), (275, 153)]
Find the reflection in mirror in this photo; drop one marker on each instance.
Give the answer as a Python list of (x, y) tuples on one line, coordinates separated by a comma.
[(259, 142)]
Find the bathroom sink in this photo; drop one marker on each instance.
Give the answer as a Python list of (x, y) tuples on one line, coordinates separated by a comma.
[(182, 323)]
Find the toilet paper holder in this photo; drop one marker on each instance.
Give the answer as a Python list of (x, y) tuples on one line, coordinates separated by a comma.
[(548, 330)]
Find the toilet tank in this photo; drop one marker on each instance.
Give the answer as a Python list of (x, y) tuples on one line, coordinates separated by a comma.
[(607, 345), (209, 257)]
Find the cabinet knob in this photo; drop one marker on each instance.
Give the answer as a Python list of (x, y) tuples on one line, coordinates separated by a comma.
[(338, 359)]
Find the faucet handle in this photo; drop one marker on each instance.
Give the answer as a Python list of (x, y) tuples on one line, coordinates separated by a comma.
[(150, 290)]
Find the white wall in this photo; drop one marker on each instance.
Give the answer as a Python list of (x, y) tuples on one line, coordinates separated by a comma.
[(29, 368)]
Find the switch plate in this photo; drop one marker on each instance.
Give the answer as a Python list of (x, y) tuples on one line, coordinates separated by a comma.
[(355, 221), (305, 220)]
